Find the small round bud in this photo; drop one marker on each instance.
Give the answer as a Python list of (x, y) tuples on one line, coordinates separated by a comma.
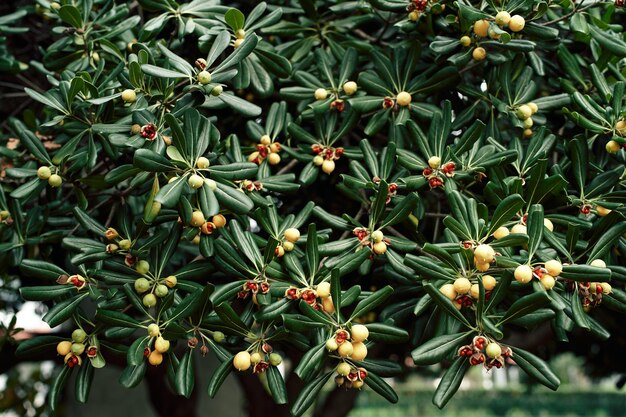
[(171, 281), (217, 90), (599, 263), (275, 359), (161, 290), (292, 234), (218, 336), (501, 232), (195, 181), (142, 267)]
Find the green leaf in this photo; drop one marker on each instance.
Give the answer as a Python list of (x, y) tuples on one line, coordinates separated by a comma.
[(132, 375), (437, 349), (235, 19), (45, 292), (37, 345), (277, 385), (56, 389), (451, 381), (151, 161), (372, 301), (219, 376), (312, 251), (585, 273), (381, 332), (445, 303), (535, 228), (536, 368), (505, 210), (185, 377), (309, 394), (62, 311), (116, 318), (526, 305), (383, 389), (83, 382)]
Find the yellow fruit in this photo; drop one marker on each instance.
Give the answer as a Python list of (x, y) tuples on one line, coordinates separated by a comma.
[(528, 133), (359, 333), (171, 281), (323, 289), (345, 349), (265, 140), (204, 77), (620, 128), (202, 163), (449, 291), (328, 166), (489, 282), (414, 15), (403, 99), (63, 348), (292, 234), (153, 330), (553, 267), (479, 54), (237, 43), (598, 263), (484, 253), (149, 300), (524, 112), (465, 41), (475, 291), (357, 384), (273, 159), (155, 358), (321, 94), (523, 274), (379, 248), (501, 232), (343, 369), (255, 358), (129, 96), (288, 246), (240, 34), (197, 219), (350, 88), (434, 162), (462, 285), (280, 251), (519, 228), (602, 211), (242, 361), (547, 223), (161, 345), (253, 156), (217, 90), (43, 173), (612, 146), (503, 18), (606, 288), (327, 305), (481, 28), (332, 345), (55, 180), (195, 181), (377, 236), (483, 267), (318, 160), (517, 23), (528, 123), (493, 350), (533, 107), (359, 351), (548, 281)]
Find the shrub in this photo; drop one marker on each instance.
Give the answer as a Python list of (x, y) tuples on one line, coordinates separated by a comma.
[(314, 181)]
